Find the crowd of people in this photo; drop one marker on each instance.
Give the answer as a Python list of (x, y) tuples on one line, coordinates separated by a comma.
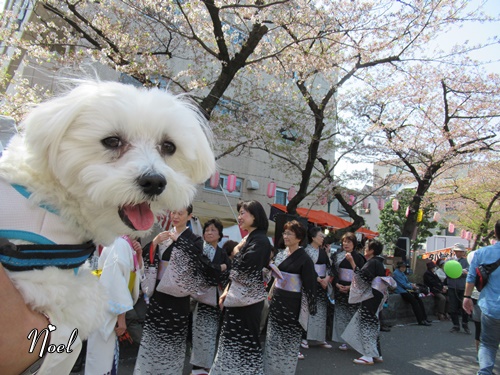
[(220, 298), (214, 297)]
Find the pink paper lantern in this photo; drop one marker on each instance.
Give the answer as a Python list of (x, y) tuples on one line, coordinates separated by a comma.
[(291, 193), (214, 180), (395, 204), (451, 228), (352, 199), (271, 189), (468, 236), (381, 203), (407, 213), (323, 200), (231, 183), (436, 216), (365, 204)]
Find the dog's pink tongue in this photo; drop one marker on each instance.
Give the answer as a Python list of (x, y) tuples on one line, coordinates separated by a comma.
[(140, 216)]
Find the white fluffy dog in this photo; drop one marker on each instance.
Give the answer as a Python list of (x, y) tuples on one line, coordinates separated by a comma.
[(102, 161)]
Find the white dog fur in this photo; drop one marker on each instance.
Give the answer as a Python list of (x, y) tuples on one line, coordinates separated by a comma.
[(84, 154)]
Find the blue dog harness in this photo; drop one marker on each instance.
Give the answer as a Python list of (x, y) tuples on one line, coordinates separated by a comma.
[(43, 228)]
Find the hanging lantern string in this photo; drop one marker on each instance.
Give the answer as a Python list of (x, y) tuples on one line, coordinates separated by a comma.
[(229, 204)]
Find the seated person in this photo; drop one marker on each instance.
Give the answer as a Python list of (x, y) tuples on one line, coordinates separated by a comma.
[(436, 287), (408, 292)]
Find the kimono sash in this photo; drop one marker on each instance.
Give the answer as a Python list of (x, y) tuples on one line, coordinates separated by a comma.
[(346, 274), (320, 269), (290, 282)]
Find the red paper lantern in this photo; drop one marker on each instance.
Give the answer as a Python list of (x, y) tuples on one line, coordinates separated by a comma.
[(381, 203), (291, 193), (395, 204), (451, 228), (271, 189), (214, 180), (231, 183)]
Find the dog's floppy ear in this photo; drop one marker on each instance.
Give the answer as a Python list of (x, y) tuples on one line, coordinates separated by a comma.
[(204, 164), (46, 125)]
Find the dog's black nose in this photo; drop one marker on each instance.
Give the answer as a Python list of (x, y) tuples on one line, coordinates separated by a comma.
[(152, 184)]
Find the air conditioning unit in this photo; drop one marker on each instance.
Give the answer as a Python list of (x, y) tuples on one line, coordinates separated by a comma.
[(252, 185)]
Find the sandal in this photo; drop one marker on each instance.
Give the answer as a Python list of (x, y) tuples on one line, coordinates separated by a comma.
[(343, 347), (301, 356), (363, 361), (378, 359), (304, 344), (325, 345)]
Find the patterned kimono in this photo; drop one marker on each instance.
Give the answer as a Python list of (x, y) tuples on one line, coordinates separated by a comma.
[(342, 274), (316, 327), (239, 351), (370, 288), (293, 299), (207, 314), (163, 344)]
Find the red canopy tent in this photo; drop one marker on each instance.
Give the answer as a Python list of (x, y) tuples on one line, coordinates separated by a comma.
[(325, 219)]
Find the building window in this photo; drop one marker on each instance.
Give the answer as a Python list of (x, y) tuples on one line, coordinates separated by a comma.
[(223, 183), (281, 196)]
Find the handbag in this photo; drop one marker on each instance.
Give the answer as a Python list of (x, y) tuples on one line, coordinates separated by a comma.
[(483, 272)]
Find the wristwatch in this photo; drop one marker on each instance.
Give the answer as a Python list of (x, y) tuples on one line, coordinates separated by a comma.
[(467, 297)]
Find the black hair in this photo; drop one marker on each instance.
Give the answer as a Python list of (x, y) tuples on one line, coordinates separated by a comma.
[(189, 209), (297, 228), (351, 237), (228, 247), (257, 211), (376, 246), (497, 229), (216, 223), (312, 232)]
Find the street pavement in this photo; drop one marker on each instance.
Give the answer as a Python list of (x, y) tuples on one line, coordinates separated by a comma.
[(407, 349)]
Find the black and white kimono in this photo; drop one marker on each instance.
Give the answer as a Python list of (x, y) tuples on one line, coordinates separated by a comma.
[(316, 327), (163, 344), (369, 292), (207, 314), (293, 299), (239, 351), (342, 274)]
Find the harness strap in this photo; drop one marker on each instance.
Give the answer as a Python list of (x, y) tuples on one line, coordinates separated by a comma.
[(31, 257)]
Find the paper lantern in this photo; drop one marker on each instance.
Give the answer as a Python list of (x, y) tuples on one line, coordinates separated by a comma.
[(381, 203), (231, 183), (323, 200), (291, 193), (395, 204), (352, 199), (271, 189), (407, 213), (453, 269), (436, 216), (365, 204), (462, 233), (214, 180), (468, 235), (451, 228), (420, 216)]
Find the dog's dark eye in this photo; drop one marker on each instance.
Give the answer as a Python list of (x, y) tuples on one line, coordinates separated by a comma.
[(112, 142), (167, 148)]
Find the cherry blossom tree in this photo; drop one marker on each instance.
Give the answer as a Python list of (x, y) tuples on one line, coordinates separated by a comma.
[(440, 119)]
